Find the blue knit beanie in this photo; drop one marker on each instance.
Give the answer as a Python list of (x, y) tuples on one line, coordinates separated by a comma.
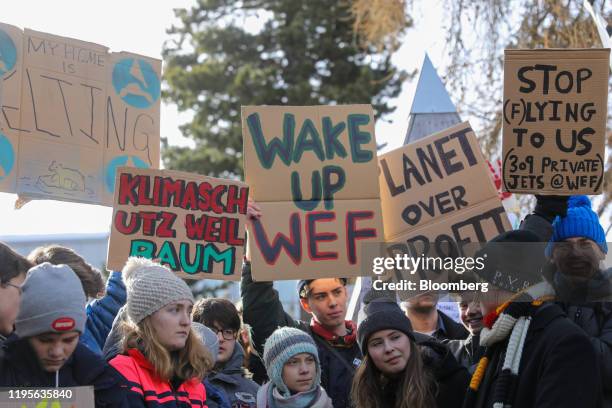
[(283, 344), (580, 221)]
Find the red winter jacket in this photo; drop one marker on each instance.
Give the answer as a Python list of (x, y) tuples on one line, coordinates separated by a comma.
[(147, 390)]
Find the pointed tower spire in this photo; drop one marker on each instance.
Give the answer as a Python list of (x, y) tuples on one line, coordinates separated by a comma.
[(432, 109)]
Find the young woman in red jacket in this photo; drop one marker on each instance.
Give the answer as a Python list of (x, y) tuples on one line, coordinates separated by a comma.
[(163, 362)]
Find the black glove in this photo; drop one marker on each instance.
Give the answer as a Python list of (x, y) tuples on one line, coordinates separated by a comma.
[(550, 206)]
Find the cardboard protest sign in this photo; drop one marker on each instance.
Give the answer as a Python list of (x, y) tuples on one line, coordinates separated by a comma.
[(132, 126), (77, 112), (438, 201), (439, 190), (555, 112), (312, 170), (193, 224), (11, 62), (63, 397)]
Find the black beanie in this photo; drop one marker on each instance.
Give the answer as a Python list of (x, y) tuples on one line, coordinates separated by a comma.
[(512, 260), (382, 314)]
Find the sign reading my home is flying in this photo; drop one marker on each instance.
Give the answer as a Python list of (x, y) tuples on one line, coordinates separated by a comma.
[(72, 112)]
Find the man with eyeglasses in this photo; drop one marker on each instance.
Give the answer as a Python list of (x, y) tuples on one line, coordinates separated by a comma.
[(13, 269), (221, 316)]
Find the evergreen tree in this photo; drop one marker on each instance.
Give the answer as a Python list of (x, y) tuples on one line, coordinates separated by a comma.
[(304, 53)]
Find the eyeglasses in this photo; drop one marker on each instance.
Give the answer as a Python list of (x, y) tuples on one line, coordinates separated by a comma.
[(13, 285), (227, 334)]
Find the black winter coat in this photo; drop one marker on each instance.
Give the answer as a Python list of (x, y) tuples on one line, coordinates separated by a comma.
[(264, 312), (594, 318), (558, 368), (451, 377), (454, 330), (20, 368), (467, 352)]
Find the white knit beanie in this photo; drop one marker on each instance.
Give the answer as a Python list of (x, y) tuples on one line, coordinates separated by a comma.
[(151, 286)]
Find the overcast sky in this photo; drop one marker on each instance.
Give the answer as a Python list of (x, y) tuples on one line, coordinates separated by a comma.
[(139, 26)]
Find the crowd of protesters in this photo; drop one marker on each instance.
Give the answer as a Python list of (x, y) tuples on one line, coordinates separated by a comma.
[(540, 337)]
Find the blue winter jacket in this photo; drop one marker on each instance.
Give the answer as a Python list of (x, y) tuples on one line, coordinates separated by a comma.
[(102, 312), (215, 397)]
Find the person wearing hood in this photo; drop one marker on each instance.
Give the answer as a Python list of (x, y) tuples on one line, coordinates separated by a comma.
[(535, 357), (107, 301), (13, 269), (215, 397), (221, 316), (46, 351), (163, 361), (402, 368), (575, 253), (292, 362)]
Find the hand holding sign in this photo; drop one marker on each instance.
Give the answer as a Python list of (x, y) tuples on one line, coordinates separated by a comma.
[(253, 210)]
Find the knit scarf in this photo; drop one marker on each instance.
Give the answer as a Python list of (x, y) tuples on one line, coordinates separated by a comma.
[(268, 396), (509, 321), (337, 341)]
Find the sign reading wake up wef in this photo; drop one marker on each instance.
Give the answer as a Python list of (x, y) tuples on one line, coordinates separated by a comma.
[(313, 171)]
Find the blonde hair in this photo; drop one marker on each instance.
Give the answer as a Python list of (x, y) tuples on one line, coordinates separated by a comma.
[(192, 361), (91, 278), (414, 390)]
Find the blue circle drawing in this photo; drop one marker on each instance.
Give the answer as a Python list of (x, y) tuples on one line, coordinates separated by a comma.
[(8, 53), (111, 167), (136, 82), (7, 157)]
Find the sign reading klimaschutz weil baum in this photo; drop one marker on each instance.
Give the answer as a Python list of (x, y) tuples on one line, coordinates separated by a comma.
[(555, 112), (71, 113), (193, 224), (313, 171)]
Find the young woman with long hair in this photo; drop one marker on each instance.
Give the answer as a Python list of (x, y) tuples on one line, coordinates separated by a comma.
[(163, 361), (396, 372)]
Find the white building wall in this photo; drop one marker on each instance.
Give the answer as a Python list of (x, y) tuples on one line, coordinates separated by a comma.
[(93, 248)]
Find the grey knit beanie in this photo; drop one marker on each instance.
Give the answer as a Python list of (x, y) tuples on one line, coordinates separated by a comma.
[(209, 338), (283, 344), (151, 286), (52, 301)]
